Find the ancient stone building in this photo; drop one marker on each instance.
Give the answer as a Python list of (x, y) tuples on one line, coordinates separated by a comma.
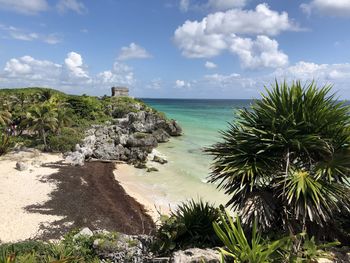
[(120, 92)]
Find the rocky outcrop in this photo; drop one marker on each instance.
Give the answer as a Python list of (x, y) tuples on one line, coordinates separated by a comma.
[(122, 248), (129, 139), (196, 255)]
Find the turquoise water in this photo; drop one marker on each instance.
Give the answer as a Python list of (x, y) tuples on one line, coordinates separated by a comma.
[(185, 175)]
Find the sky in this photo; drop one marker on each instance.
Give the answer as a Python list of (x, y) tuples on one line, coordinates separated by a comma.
[(174, 48)]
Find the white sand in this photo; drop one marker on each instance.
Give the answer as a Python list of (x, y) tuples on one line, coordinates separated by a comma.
[(19, 189), (125, 175)]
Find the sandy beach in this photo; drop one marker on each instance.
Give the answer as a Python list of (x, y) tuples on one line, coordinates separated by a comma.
[(20, 189), (50, 198)]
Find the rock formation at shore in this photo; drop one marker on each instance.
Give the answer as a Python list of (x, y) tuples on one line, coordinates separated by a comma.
[(128, 139)]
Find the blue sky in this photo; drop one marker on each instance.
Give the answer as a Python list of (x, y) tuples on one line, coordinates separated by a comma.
[(174, 48)]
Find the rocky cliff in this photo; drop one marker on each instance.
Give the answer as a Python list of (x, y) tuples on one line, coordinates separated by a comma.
[(128, 139)]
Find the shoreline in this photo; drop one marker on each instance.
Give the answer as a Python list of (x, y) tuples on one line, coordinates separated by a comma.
[(122, 174)]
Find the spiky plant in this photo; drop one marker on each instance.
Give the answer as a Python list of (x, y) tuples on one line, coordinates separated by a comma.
[(190, 225), (286, 160)]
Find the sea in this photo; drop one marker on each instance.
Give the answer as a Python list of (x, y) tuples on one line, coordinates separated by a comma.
[(185, 175)]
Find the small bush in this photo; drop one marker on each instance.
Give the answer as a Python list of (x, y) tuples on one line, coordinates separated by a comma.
[(191, 225), (65, 141)]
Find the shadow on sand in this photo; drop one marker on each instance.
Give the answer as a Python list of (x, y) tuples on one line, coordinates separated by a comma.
[(89, 196)]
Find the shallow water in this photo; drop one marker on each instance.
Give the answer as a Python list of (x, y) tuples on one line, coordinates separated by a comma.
[(185, 175)]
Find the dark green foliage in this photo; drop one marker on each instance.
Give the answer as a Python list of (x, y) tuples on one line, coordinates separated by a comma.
[(29, 91), (5, 142), (70, 250), (85, 107), (25, 247), (191, 225), (286, 160), (64, 141)]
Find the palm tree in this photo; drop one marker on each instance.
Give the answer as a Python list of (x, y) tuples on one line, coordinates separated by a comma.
[(5, 117), (63, 118), (42, 119), (286, 160)]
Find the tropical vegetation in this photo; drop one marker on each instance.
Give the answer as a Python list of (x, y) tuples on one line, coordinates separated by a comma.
[(286, 160), (54, 121), (190, 225)]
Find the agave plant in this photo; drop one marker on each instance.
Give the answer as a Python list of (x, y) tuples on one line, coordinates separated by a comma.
[(286, 160), (191, 225)]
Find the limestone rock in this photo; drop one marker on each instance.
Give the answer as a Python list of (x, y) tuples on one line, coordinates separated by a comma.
[(21, 166), (173, 128), (140, 165), (75, 158), (159, 159), (196, 255), (84, 232), (131, 139), (123, 248), (151, 169), (161, 135)]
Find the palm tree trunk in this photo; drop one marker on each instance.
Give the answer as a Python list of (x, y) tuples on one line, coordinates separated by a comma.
[(44, 138)]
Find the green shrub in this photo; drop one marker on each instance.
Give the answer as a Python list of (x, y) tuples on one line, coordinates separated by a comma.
[(65, 141), (301, 248), (242, 249), (189, 226), (23, 252), (86, 107)]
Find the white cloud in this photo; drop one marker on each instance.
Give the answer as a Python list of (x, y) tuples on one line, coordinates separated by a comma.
[(262, 20), (21, 34), (210, 65), (133, 51), (221, 31), (307, 71), (24, 36), (194, 41), (259, 53), (71, 5), (28, 7), (182, 84), (29, 71), (120, 74), (328, 7), (230, 81), (71, 75), (74, 64)]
